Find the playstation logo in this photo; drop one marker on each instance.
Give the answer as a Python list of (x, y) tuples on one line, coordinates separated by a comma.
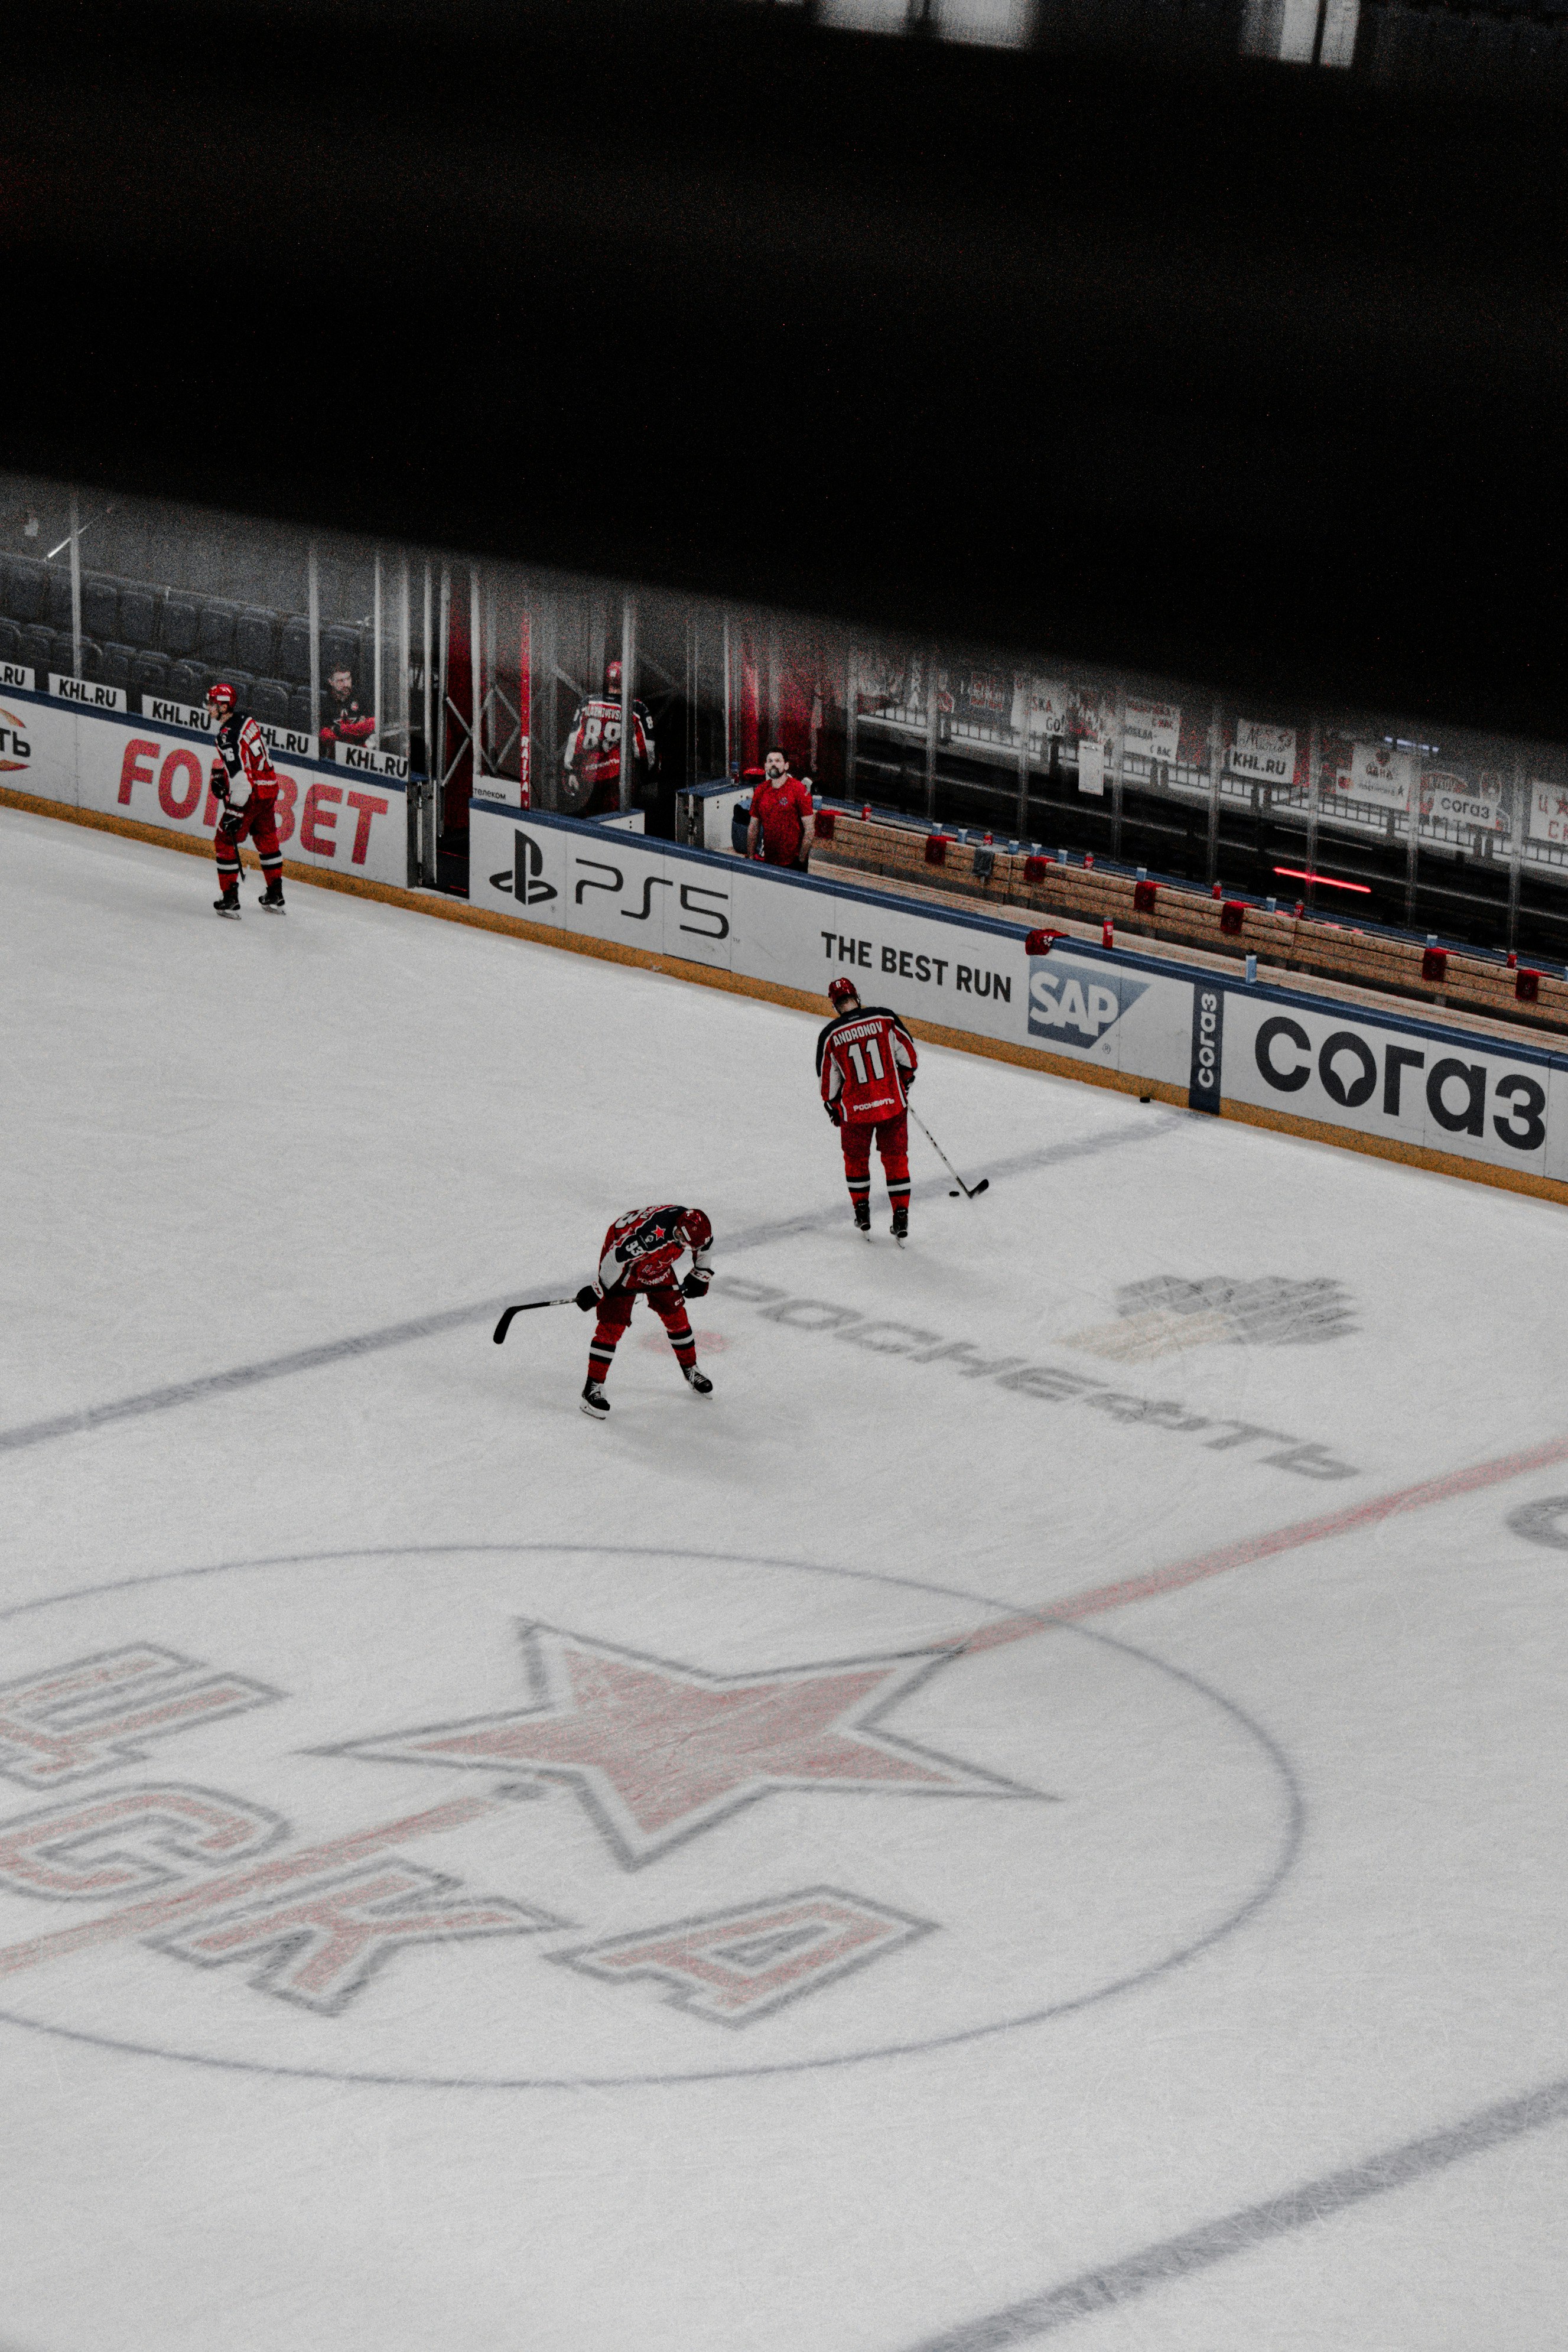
[(526, 879)]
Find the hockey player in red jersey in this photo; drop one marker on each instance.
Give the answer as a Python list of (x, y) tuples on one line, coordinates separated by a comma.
[(867, 1061), (243, 779), (640, 1257), (591, 760)]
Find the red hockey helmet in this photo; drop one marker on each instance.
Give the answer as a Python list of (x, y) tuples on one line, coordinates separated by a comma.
[(694, 1228), (843, 991), (222, 694), (613, 681)]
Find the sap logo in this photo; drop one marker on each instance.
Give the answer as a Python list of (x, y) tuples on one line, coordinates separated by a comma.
[(1078, 1002), (525, 879)]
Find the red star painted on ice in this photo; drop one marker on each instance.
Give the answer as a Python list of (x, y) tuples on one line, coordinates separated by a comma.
[(659, 1752)]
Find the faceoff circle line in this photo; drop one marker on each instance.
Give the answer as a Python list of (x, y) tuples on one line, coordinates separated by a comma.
[(1289, 1843)]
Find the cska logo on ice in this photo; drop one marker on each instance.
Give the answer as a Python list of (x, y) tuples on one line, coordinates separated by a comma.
[(554, 1813)]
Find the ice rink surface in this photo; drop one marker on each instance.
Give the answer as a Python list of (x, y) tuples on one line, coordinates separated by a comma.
[(1037, 1811)]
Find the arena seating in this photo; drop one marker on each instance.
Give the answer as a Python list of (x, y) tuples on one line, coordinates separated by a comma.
[(23, 586), (215, 635), (110, 666), (138, 614), (177, 627), (168, 640)]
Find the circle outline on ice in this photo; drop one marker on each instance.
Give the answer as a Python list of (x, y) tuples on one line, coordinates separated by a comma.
[(1540, 1522), (1287, 1848)]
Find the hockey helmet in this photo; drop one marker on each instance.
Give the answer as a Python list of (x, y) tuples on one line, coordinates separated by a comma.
[(843, 991), (224, 694), (613, 681), (694, 1228)]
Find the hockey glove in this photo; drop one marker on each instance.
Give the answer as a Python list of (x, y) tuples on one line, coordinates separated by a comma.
[(696, 1285), (833, 1113), (909, 1077), (231, 823), (587, 1299)]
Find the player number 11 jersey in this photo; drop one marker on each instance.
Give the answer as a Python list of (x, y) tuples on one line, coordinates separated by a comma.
[(864, 1059)]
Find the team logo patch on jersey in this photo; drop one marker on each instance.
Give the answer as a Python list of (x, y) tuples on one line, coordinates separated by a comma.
[(629, 1822), (1078, 1002)]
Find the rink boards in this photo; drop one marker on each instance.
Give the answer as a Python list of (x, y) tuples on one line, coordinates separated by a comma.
[(122, 765), (1402, 1088)]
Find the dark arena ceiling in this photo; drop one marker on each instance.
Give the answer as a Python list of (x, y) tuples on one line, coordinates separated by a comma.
[(1114, 344)]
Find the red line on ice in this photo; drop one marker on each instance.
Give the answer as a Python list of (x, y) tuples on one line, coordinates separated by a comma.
[(1099, 1598), (138, 1917)]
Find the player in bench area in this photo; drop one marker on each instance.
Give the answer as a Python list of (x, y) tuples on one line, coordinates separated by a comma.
[(866, 1062)]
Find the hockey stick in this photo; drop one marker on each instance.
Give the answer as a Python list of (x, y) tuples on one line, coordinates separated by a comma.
[(526, 1308), (968, 1191)]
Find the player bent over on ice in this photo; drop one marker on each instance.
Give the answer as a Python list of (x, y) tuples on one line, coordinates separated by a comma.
[(243, 779), (638, 1258), (867, 1061)]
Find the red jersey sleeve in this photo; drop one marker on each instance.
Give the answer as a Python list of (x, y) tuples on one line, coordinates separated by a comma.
[(255, 756)]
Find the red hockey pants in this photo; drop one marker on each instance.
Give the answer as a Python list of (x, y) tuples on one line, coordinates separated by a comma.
[(893, 1144), (258, 824), (616, 1313)]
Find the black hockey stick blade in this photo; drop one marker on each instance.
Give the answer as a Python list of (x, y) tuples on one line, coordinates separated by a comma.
[(968, 1191), (526, 1308)]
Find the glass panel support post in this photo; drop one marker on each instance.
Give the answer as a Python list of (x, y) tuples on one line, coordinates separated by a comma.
[(376, 678), (1314, 795), (628, 737), (439, 765), (1516, 849), (313, 614), (729, 721), (931, 725), (545, 765), (851, 719), (1216, 763), (403, 650), (1023, 820), (76, 586), (1118, 777), (427, 798), (476, 687), (1412, 845)]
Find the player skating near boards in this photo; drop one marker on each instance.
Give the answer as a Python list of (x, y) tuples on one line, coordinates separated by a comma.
[(867, 1061), (638, 1259), (244, 779)]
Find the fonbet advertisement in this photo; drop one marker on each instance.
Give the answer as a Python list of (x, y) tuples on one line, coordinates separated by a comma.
[(132, 766)]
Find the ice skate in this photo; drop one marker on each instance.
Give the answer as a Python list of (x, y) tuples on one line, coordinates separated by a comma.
[(595, 1401), (272, 899), (698, 1382), (901, 1226), (863, 1218), (228, 904)]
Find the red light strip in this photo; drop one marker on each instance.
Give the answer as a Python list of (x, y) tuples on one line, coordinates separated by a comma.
[(1294, 874)]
